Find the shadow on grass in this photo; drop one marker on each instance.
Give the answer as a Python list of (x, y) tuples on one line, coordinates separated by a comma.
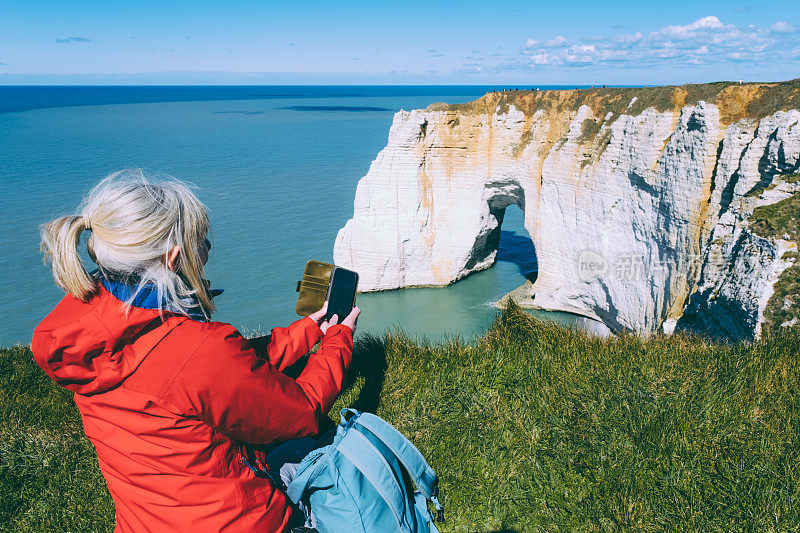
[(369, 363), (367, 368)]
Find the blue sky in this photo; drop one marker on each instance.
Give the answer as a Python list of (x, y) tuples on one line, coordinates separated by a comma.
[(413, 42)]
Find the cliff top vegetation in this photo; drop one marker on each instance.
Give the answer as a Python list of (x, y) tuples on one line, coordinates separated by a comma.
[(735, 101), (530, 427), (781, 220)]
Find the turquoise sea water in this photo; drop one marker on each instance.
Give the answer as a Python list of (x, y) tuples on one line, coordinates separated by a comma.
[(277, 167)]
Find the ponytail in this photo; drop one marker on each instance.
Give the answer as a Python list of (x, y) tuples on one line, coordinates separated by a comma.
[(60, 239), (134, 222)]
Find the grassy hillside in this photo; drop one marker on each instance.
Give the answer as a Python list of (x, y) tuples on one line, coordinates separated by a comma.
[(531, 428), (780, 220), (49, 479)]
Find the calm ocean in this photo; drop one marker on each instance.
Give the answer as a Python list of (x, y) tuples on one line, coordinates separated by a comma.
[(277, 167)]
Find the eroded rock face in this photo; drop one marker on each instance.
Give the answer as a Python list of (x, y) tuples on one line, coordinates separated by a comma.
[(636, 203)]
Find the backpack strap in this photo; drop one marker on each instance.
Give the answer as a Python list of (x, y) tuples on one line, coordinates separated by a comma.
[(373, 465), (414, 462), (421, 503)]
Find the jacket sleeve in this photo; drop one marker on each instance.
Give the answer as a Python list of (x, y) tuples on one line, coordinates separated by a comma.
[(244, 397), (287, 345)]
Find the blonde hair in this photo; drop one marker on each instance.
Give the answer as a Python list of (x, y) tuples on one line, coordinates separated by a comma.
[(134, 222)]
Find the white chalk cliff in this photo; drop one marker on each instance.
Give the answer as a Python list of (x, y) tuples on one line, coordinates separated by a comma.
[(637, 200)]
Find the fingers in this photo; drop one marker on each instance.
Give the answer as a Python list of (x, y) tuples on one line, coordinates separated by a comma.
[(349, 321), (317, 316), (352, 318)]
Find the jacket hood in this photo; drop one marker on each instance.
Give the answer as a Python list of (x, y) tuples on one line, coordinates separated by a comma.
[(91, 347)]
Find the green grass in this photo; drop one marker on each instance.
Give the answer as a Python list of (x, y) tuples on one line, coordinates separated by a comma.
[(531, 428), (781, 220), (49, 478), (784, 305)]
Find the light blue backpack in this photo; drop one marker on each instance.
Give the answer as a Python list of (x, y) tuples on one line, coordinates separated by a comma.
[(357, 483)]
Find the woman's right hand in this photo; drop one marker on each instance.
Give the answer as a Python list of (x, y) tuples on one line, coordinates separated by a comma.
[(349, 321)]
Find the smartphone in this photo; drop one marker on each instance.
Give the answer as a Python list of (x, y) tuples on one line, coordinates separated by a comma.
[(341, 293)]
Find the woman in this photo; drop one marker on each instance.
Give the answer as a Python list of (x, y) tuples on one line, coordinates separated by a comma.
[(166, 395)]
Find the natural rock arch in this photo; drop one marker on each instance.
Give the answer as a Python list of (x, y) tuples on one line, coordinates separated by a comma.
[(658, 189), (498, 195)]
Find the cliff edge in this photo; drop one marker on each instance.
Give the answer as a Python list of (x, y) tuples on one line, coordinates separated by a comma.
[(640, 201)]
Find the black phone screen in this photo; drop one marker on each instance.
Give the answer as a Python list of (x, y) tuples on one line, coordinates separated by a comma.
[(342, 294)]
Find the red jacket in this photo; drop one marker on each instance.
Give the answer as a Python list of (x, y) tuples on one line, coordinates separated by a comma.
[(166, 400)]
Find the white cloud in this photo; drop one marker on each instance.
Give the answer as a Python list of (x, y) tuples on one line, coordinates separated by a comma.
[(628, 38), (74, 40), (706, 41), (540, 59), (705, 24), (557, 42), (782, 27)]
